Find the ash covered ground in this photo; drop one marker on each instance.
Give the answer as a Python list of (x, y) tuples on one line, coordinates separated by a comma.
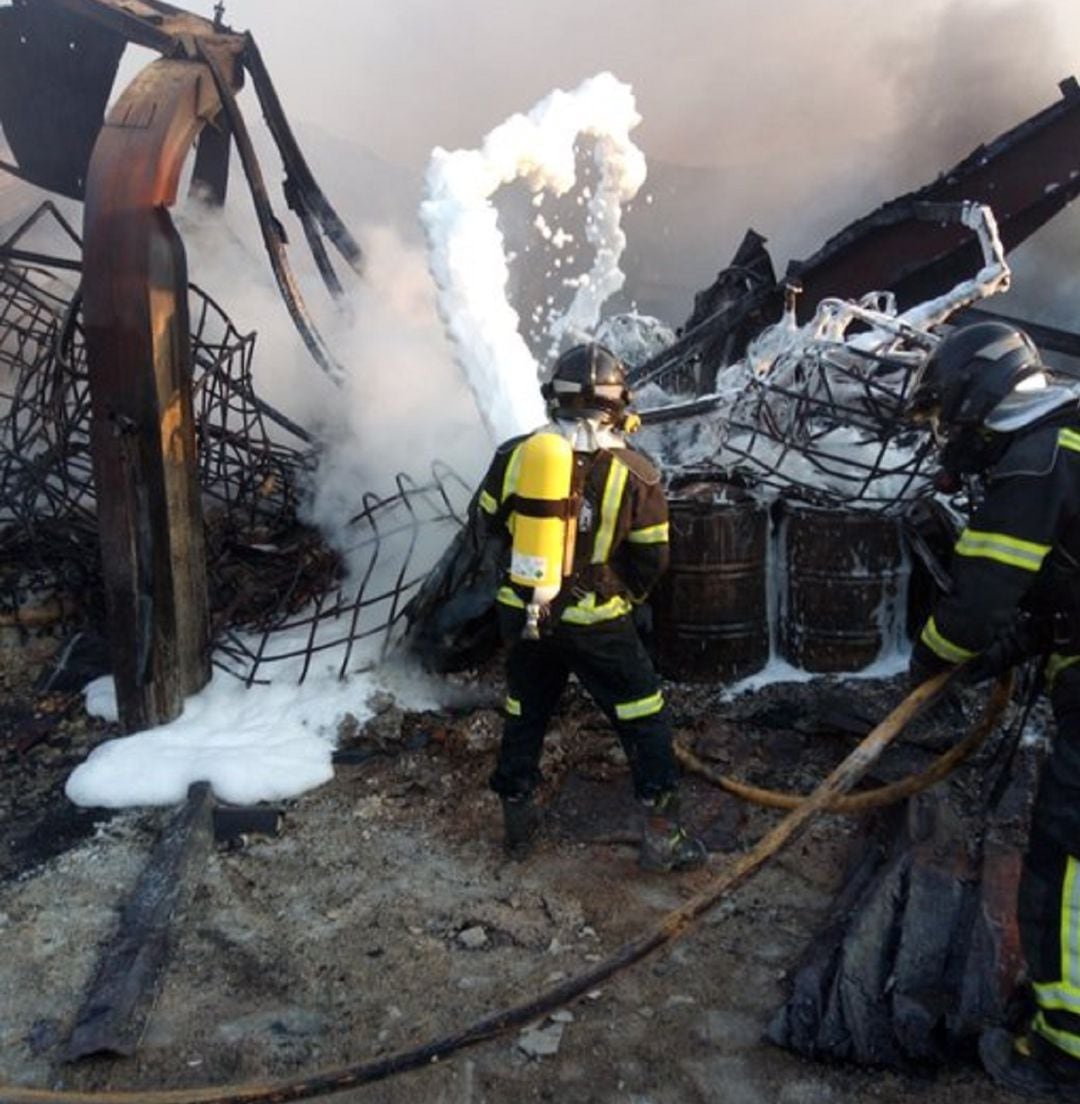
[(385, 915)]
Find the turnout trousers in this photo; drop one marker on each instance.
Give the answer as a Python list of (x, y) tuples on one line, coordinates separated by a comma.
[(612, 665), (1049, 901)]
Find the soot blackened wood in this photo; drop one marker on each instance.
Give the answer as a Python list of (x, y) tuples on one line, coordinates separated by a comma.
[(115, 1011), (923, 949)]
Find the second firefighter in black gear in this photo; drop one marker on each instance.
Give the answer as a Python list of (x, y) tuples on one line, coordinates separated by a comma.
[(1016, 593), (619, 520)]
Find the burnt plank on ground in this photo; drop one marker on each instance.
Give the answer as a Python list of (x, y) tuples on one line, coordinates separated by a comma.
[(118, 1003)]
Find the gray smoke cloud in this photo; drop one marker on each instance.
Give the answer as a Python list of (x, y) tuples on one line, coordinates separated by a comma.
[(719, 82), (793, 118)]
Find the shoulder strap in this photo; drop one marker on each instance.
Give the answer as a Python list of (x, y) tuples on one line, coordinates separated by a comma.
[(638, 464)]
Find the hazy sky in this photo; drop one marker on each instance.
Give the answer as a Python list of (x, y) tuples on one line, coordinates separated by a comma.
[(808, 114), (717, 81)]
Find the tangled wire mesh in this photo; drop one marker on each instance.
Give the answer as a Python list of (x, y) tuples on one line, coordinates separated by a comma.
[(280, 594)]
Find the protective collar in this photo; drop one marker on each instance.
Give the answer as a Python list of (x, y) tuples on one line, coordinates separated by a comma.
[(589, 434), (1023, 407)]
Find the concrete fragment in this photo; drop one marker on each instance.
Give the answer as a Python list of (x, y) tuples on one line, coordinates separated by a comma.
[(472, 939), (541, 1041)]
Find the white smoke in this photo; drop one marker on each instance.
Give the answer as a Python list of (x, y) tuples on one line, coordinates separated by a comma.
[(404, 405)]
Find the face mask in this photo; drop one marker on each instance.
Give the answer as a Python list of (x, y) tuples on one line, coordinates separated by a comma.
[(971, 450)]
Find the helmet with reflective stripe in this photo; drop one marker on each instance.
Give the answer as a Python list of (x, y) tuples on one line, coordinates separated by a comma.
[(970, 372), (587, 379)]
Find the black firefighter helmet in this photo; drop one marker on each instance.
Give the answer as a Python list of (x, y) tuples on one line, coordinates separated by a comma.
[(588, 380), (979, 386), (970, 373)]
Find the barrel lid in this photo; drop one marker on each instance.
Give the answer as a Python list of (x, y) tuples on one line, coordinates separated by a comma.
[(708, 488), (799, 502)]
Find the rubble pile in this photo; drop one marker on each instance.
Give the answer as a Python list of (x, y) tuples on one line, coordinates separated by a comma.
[(269, 572)]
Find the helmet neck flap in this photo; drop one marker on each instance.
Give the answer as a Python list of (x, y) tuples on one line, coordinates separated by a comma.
[(587, 381), (970, 372)]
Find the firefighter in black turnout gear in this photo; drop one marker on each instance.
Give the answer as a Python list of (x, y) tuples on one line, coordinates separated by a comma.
[(611, 550), (998, 414)]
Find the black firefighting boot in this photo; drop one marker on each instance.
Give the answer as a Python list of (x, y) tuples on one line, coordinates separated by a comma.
[(665, 843), (521, 824), (1029, 1066)]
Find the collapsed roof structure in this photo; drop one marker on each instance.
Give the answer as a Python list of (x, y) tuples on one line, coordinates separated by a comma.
[(908, 246), (913, 264), (130, 405), (121, 374), (120, 459)]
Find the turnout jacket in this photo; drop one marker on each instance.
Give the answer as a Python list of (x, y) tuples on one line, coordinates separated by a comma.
[(1019, 551), (622, 546)]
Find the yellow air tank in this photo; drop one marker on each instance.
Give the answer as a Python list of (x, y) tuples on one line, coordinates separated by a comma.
[(539, 520)]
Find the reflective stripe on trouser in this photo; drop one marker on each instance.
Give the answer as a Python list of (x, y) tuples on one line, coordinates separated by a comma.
[(612, 665), (1049, 899)]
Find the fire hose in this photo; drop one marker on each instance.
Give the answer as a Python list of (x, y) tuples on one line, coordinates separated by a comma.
[(888, 794), (674, 925)]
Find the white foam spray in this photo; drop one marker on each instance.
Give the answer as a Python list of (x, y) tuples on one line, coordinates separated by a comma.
[(467, 255), (273, 742)]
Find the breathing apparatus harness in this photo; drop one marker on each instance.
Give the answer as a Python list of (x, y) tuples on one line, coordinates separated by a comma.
[(587, 399), (547, 512), (543, 523)]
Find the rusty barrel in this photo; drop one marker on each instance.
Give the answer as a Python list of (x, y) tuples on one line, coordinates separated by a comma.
[(710, 611), (843, 586)]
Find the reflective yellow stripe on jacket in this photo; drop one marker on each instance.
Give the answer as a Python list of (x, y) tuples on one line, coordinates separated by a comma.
[(1000, 547), (614, 486), (652, 534), (585, 611), (510, 480), (1063, 1040), (1056, 664), (643, 707), (1070, 439)]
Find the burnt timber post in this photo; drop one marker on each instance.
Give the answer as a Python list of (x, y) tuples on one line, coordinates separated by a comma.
[(135, 308)]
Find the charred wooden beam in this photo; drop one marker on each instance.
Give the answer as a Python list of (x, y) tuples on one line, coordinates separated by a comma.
[(120, 998), (1026, 176), (150, 23), (273, 233), (303, 190), (138, 353)]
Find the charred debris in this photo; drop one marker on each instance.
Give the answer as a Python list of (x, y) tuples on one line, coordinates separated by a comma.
[(147, 491), (140, 470)]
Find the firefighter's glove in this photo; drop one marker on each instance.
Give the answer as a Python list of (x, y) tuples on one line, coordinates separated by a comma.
[(1028, 637)]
